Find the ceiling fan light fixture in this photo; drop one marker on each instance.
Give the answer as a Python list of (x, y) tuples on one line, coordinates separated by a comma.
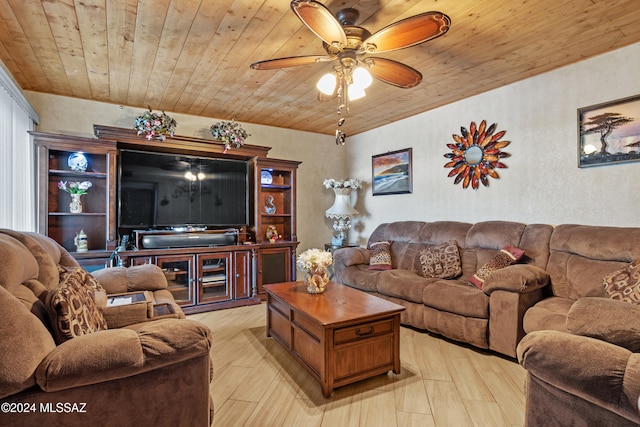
[(327, 84)]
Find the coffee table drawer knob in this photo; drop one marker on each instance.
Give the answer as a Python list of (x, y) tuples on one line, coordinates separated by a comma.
[(364, 334)]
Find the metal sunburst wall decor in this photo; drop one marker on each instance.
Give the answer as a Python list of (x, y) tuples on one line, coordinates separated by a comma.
[(476, 155)]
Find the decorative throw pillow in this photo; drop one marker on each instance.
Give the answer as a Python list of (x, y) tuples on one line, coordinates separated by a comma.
[(72, 307), (504, 258), (441, 261), (380, 258), (624, 284), (83, 275)]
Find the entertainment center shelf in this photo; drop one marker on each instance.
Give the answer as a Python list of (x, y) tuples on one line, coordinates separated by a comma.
[(201, 277)]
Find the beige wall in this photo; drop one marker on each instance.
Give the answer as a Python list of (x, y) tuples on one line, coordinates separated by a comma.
[(542, 183), (319, 155)]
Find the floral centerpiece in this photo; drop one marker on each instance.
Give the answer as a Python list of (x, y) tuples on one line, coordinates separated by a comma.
[(155, 125), (229, 132), (75, 189), (352, 183), (314, 263)]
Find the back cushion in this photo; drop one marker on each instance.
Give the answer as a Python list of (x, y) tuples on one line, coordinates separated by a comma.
[(17, 265), (581, 256), (24, 342), (411, 237), (485, 239)]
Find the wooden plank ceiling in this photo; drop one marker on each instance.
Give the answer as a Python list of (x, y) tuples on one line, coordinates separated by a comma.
[(193, 56)]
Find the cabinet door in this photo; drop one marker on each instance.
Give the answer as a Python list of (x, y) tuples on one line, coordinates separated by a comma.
[(179, 270), (214, 277), (242, 279), (274, 266)]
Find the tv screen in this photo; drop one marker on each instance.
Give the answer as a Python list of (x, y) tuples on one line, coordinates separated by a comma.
[(158, 190)]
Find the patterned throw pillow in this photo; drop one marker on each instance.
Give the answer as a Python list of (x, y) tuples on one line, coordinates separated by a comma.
[(441, 261), (504, 258), (83, 275), (624, 284), (380, 258), (72, 307)]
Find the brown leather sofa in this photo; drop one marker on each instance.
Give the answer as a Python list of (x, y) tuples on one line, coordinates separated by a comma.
[(489, 318), (155, 371)]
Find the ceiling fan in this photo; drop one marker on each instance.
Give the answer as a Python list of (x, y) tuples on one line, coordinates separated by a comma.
[(353, 46)]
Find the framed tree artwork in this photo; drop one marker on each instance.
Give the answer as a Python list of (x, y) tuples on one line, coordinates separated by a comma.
[(609, 132), (392, 172)]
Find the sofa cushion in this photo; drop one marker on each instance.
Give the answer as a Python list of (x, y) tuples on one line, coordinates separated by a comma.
[(441, 261), (624, 284), (360, 277), (549, 313), (380, 256), (73, 308), (606, 319), (457, 297), (402, 284), (504, 258)]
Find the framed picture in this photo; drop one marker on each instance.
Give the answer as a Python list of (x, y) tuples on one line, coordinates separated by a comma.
[(392, 172), (609, 132)]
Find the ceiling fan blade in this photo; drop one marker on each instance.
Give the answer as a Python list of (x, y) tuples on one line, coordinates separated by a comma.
[(408, 32), (293, 61), (395, 73), (320, 20)]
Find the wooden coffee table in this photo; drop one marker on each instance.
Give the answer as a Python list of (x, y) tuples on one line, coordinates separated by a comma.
[(340, 336)]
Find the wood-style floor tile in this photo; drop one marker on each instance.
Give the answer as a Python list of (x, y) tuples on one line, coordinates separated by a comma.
[(441, 384)]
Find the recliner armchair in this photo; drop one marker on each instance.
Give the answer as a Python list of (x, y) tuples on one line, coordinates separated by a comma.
[(154, 372)]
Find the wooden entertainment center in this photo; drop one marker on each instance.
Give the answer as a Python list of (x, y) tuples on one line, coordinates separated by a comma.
[(201, 278)]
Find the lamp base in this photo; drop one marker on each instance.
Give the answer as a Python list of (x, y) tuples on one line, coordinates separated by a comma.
[(337, 240)]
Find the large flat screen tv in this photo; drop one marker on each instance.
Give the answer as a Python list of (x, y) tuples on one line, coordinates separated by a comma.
[(161, 191)]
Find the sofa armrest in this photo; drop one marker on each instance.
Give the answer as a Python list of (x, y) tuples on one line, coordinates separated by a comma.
[(594, 370), (516, 278), (116, 280), (618, 321), (118, 353), (346, 257)]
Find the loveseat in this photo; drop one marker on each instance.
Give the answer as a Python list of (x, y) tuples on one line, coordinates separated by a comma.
[(490, 317), (63, 362)]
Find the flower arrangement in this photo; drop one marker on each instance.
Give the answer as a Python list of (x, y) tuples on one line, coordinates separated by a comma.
[(353, 183), (155, 125), (75, 187), (314, 260), (229, 132), (272, 233)]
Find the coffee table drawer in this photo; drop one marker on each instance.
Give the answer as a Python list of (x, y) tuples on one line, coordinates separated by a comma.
[(362, 331)]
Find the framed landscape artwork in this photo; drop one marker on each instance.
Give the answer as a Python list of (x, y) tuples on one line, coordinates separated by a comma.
[(609, 133), (392, 172)]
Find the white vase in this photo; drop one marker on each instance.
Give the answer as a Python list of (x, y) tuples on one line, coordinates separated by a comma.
[(76, 204)]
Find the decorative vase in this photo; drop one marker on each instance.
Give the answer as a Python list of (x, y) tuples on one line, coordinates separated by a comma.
[(317, 280), (76, 204)]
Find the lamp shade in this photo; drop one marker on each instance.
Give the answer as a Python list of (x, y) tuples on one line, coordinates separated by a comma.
[(341, 205)]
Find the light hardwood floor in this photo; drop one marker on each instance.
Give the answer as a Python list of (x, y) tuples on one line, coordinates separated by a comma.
[(257, 383)]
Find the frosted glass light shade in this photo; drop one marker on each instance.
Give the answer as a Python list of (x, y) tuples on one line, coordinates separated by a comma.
[(355, 92), (327, 84), (362, 78)]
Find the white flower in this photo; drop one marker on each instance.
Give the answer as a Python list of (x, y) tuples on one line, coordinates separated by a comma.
[(353, 183), (311, 259)]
